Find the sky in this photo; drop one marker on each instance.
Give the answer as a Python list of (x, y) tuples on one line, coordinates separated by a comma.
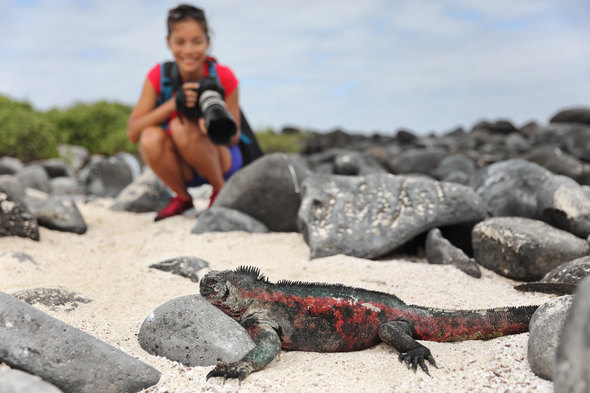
[(361, 66)]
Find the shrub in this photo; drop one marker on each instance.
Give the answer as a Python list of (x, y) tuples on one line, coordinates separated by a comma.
[(100, 127), (24, 133), (271, 142)]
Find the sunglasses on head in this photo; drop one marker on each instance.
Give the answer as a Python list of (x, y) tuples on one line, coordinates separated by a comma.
[(179, 14)]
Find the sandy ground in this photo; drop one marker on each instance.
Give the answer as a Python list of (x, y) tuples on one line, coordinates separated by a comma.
[(110, 265)]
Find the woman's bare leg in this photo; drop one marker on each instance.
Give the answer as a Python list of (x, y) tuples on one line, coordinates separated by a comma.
[(209, 160), (158, 151)]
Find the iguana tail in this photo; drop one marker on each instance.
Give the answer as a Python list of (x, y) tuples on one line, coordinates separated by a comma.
[(442, 325)]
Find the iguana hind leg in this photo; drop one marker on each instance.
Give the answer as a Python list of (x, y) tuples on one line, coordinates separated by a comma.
[(268, 345), (400, 335)]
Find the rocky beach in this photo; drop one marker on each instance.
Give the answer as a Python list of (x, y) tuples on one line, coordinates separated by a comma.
[(453, 221)]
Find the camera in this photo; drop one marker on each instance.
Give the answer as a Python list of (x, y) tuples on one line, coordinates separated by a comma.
[(211, 106)]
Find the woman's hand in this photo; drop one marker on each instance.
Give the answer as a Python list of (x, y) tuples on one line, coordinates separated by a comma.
[(190, 92)]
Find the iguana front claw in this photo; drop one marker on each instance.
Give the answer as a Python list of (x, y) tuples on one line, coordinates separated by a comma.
[(416, 356), (229, 370)]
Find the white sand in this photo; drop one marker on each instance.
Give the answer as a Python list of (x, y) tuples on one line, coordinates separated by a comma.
[(109, 264)]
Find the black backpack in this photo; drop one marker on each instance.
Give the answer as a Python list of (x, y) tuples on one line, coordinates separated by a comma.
[(170, 81)]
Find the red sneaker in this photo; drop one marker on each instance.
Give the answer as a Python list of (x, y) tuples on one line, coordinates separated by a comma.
[(213, 197), (176, 206)]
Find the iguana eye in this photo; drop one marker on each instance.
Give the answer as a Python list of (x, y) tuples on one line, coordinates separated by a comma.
[(225, 294)]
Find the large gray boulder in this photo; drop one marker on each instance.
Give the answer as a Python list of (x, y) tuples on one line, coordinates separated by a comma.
[(34, 176), (109, 176), (544, 331), (147, 193), (418, 160), (67, 186), (516, 144), (572, 115), (571, 272), (561, 280), (456, 168), (16, 219), (509, 188), (441, 251), (56, 167), (577, 142), (552, 158), (76, 156), (339, 139), (572, 364), (554, 134), (268, 189), (563, 203), (498, 126), (57, 212), (522, 248), (192, 331), (12, 187), (223, 219), (16, 381), (372, 215), (343, 162), (349, 163), (10, 165), (572, 137), (70, 359)]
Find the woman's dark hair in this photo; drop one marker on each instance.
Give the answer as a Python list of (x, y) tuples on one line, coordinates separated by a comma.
[(184, 12)]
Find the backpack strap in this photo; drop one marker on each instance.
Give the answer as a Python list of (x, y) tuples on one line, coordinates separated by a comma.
[(212, 69), (168, 81)]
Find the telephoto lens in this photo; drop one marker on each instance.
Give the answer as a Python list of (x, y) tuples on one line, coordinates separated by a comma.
[(219, 122)]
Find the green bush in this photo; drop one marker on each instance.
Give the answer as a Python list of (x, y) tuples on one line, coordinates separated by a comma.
[(271, 142), (100, 127), (24, 133)]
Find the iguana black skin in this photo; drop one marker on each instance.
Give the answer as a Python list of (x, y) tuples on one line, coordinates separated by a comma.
[(335, 318)]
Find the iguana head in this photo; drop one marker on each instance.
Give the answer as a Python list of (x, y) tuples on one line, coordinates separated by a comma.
[(226, 290)]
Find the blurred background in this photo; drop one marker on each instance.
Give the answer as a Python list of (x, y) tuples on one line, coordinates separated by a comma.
[(364, 67)]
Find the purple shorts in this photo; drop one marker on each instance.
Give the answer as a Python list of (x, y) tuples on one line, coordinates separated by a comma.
[(236, 164)]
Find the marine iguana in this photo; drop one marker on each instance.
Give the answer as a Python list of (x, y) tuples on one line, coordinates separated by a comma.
[(331, 318)]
